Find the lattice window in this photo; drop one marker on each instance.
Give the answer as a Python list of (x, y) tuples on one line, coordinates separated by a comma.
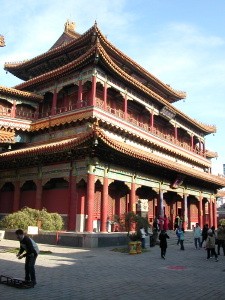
[(123, 203), (111, 207), (97, 204)]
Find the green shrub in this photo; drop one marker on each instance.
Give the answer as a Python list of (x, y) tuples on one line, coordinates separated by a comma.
[(31, 217), (222, 221)]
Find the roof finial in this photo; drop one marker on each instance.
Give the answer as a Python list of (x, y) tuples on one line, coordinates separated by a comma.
[(69, 26), (2, 41)]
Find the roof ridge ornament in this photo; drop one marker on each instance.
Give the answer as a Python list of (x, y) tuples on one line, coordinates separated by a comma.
[(2, 41), (69, 26)]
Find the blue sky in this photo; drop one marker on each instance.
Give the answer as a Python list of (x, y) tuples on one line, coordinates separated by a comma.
[(180, 42)]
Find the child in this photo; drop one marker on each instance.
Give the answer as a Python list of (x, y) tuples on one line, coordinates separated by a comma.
[(178, 235), (210, 245), (163, 236), (181, 238)]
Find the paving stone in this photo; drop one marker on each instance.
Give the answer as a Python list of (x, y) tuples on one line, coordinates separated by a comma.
[(90, 274)]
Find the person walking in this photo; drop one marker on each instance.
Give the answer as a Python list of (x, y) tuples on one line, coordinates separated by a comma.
[(181, 237), (31, 250), (163, 236), (220, 239), (197, 236), (176, 222), (210, 245), (178, 235), (204, 233), (143, 236)]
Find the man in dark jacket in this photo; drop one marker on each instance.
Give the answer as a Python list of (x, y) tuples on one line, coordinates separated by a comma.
[(31, 250)]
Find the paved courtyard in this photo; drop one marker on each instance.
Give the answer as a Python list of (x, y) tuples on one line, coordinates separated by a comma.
[(88, 274)]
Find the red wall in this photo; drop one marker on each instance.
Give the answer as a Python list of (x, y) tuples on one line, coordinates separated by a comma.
[(56, 200), (6, 202), (27, 198)]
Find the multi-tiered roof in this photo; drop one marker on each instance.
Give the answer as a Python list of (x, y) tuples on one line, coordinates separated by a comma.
[(73, 52)]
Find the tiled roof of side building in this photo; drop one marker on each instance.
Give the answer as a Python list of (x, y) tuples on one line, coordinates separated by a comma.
[(21, 94)]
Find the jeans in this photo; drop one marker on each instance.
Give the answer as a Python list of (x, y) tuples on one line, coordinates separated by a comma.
[(163, 252), (181, 244), (211, 252), (143, 243), (220, 244), (197, 243), (29, 267)]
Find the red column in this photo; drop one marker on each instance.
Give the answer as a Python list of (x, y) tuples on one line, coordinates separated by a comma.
[(13, 109), (72, 204), (80, 94), (93, 91), (192, 142), (175, 132), (36, 114), (54, 103), (38, 200), (210, 213), (203, 148), (215, 214), (16, 198), (152, 121), (160, 207), (200, 211), (125, 107), (104, 210), (90, 201), (200, 146), (105, 96), (185, 222), (132, 202)]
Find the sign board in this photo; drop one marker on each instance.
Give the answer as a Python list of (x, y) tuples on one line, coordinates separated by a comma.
[(142, 205), (32, 230)]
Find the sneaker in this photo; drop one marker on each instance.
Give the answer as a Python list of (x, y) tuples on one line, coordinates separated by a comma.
[(216, 259)]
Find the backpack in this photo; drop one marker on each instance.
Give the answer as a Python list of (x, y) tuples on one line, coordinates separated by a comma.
[(35, 246)]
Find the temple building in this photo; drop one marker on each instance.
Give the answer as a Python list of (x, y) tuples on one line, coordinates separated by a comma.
[(92, 135)]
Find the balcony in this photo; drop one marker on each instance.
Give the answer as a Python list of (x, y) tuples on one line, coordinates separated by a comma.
[(159, 132)]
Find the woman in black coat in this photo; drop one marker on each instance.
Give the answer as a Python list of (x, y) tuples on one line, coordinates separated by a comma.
[(163, 236)]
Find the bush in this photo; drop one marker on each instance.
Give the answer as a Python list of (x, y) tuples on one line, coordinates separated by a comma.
[(222, 221), (31, 217)]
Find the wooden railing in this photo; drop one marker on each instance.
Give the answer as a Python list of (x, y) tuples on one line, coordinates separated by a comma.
[(163, 134)]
